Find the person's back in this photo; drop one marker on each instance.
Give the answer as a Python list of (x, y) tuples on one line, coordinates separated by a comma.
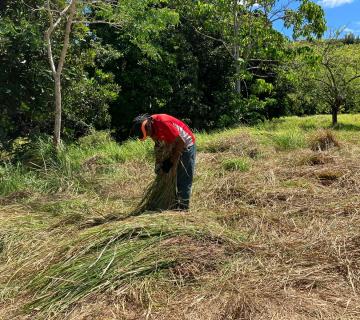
[(161, 120)]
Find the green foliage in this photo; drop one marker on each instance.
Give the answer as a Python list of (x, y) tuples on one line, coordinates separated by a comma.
[(87, 90), (24, 80), (289, 140), (193, 74), (236, 164), (26, 85), (307, 21), (324, 78), (154, 56)]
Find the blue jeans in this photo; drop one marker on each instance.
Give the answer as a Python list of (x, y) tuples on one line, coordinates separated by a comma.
[(185, 174)]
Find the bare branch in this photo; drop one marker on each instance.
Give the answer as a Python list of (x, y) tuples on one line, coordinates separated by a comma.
[(265, 76), (215, 39), (353, 78), (67, 35), (48, 40), (264, 60), (331, 75), (324, 82)]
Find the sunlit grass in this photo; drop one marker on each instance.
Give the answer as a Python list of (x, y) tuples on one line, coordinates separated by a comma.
[(236, 164), (66, 170), (66, 236)]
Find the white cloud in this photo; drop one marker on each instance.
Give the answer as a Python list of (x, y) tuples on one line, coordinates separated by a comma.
[(334, 3), (349, 30)]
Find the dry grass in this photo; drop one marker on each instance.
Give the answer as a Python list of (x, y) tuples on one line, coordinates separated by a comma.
[(323, 140), (161, 193), (301, 257), (279, 241)]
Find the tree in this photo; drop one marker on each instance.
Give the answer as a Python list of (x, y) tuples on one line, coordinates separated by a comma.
[(57, 69), (191, 78), (26, 83), (245, 28), (327, 75), (188, 67), (350, 38), (147, 14), (340, 70)]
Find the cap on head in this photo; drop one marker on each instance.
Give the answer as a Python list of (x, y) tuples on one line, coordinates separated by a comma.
[(139, 126)]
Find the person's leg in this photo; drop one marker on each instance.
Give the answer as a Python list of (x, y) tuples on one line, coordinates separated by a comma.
[(185, 173)]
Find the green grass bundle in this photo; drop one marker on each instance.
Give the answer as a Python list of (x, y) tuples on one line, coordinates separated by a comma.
[(121, 255), (161, 193)]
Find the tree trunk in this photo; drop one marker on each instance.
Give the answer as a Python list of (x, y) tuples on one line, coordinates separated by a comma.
[(57, 123), (334, 113), (236, 48), (57, 71), (238, 81), (338, 103)]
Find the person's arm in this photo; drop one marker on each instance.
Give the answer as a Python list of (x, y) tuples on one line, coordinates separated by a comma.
[(173, 160)]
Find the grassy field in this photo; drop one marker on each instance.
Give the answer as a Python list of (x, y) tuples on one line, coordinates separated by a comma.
[(273, 232)]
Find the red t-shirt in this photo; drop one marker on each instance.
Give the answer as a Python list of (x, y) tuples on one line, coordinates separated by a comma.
[(167, 128)]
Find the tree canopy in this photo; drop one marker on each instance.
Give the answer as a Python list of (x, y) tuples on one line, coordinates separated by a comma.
[(213, 63)]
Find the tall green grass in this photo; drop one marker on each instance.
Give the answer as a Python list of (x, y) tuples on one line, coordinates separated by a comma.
[(15, 178), (38, 167), (288, 140)]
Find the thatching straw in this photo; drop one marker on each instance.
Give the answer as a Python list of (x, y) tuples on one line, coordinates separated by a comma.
[(161, 193)]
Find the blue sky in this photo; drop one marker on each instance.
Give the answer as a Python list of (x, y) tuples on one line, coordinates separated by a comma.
[(342, 13), (339, 14)]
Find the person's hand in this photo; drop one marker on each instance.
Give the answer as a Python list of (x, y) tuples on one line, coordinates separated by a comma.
[(166, 165), (157, 168)]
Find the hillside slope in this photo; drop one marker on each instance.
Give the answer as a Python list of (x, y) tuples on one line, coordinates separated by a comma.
[(273, 232)]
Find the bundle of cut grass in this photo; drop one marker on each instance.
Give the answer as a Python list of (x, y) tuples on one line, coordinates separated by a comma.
[(161, 193), (323, 140)]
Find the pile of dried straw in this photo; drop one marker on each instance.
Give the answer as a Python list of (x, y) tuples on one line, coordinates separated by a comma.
[(161, 193)]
